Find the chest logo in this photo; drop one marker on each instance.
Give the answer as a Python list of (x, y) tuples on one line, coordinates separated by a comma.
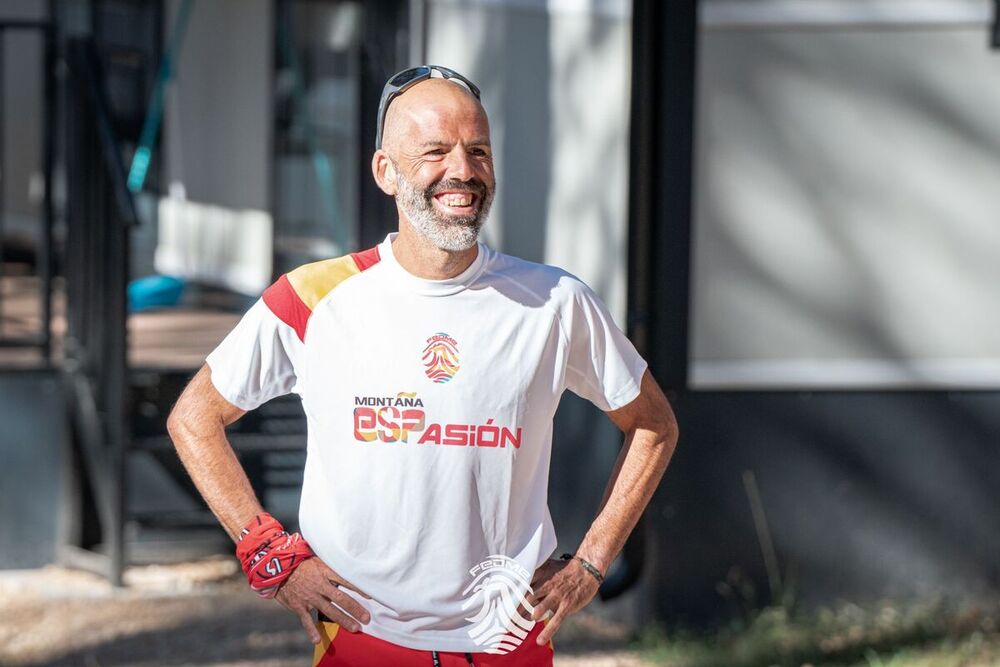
[(440, 358)]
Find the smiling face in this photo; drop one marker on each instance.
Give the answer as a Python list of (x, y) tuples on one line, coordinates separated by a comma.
[(437, 161)]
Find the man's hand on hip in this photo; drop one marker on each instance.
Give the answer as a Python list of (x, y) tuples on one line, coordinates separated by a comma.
[(561, 587), (313, 585)]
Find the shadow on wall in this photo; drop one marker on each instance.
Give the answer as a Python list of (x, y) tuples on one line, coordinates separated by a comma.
[(512, 65), (846, 195)]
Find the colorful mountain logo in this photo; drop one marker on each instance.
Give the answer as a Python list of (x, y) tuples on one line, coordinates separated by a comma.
[(441, 358)]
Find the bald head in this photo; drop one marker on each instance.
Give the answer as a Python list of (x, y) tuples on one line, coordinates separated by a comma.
[(433, 106), (436, 160)]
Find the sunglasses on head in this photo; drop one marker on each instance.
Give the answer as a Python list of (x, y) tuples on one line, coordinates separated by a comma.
[(400, 81)]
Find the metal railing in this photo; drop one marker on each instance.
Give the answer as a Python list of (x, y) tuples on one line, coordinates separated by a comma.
[(100, 213), (103, 390)]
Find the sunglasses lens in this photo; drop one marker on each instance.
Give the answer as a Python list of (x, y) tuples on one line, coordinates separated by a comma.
[(408, 75)]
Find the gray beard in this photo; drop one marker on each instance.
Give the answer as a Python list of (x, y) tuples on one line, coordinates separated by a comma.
[(446, 232)]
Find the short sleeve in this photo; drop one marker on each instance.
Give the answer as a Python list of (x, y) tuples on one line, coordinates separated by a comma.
[(256, 361), (603, 366)]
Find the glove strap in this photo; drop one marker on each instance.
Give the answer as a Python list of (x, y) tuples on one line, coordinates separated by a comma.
[(269, 554)]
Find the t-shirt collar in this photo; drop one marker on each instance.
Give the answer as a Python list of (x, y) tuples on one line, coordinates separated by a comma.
[(444, 287)]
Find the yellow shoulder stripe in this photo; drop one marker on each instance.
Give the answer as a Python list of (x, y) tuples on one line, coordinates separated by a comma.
[(312, 282)]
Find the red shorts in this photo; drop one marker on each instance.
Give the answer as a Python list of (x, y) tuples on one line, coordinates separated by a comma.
[(340, 648)]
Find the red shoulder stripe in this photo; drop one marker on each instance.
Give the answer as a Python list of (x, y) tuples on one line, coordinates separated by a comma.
[(290, 301), (287, 306), (366, 259)]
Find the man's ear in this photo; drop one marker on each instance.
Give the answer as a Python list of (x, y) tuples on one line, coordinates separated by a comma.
[(384, 172)]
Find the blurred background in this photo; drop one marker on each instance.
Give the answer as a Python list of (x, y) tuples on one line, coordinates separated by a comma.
[(793, 207)]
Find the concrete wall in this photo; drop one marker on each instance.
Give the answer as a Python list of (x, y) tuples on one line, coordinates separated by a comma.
[(846, 198), (23, 105), (555, 82), (35, 478), (217, 128), (869, 496), (217, 148)]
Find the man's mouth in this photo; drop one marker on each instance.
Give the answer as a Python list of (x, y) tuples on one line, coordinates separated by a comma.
[(456, 202)]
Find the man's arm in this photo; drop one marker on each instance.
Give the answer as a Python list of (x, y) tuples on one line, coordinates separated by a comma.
[(197, 426), (650, 438)]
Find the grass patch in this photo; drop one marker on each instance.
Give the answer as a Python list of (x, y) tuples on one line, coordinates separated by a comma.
[(935, 634)]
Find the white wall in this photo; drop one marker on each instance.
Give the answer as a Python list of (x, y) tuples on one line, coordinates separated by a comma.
[(555, 82), (23, 107), (217, 126), (217, 148), (847, 223)]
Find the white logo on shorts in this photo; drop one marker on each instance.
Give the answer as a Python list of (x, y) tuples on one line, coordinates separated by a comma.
[(499, 585)]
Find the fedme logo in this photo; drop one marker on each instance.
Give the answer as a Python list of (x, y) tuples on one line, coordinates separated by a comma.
[(440, 358), (499, 586)]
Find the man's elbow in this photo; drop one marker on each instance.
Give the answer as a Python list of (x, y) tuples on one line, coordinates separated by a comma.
[(665, 440), (664, 425), (671, 431), (189, 417), (652, 412), (176, 422), (200, 411)]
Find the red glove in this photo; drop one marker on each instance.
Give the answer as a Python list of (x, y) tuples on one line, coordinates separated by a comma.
[(269, 555)]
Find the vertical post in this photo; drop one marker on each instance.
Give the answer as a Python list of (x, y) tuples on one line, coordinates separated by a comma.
[(117, 258), (111, 225), (418, 32), (660, 165), (995, 33), (48, 148), (659, 231), (640, 184), (3, 166)]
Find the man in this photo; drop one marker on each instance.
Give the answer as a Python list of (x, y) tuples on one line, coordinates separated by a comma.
[(429, 368)]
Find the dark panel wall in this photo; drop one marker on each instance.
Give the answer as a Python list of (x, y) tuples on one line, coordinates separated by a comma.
[(34, 468), (867, 495)]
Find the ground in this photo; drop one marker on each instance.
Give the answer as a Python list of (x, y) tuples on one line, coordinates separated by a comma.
[(196, 614), (202, 614)]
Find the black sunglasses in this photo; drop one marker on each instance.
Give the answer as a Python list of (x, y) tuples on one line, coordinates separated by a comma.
[(400, 81)]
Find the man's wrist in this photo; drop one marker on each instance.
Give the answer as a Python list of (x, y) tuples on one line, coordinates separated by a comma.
[(269, 554), (588, 567), (599, 557)]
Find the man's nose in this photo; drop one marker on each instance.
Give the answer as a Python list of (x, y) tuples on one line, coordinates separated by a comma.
[(460, 165)]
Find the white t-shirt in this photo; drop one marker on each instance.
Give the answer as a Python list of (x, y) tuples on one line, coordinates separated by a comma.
[(429, 407)]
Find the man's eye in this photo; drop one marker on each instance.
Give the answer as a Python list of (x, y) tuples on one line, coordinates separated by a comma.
[(479, 152), (436, 151)]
